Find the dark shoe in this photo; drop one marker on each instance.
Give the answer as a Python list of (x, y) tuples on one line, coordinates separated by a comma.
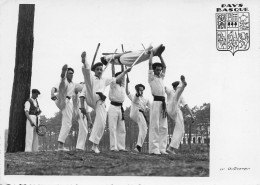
[(123, 150), (114, 150), (170, 151), (164, 153), (158, 51), (103, 60)]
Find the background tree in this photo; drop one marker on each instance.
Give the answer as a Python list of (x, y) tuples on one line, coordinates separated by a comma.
[(22, 78)]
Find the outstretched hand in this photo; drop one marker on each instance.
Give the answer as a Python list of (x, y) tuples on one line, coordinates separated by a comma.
[(128, 69), (83, 55), (54, 98)]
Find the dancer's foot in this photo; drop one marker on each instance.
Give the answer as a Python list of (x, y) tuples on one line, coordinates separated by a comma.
[(170, 150), (158, 50), (63, 71), (183, 80), (103, 60), (95, 149)]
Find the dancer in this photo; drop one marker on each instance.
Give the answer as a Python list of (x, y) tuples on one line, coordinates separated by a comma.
[(158, 128), (139, 105), (84, 119), (174, 100), (116, 119), (95, 86), (63, 100)]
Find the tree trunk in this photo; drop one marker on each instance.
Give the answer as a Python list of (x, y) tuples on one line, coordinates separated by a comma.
[(22, 78)]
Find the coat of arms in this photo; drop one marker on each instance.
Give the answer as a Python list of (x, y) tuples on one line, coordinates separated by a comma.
[(233, 31)]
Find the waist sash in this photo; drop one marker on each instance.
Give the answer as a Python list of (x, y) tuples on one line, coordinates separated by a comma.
[(122, 109), (162, 99)]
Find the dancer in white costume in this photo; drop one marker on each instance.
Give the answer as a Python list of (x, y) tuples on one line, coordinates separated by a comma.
[(84, 119), (116, 119), (128, 58), (95, 86), (32, 110), (174, 101), (139, 105), (158, 128), (63, 100)]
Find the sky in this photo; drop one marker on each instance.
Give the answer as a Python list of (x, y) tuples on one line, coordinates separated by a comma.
[(62, 30)]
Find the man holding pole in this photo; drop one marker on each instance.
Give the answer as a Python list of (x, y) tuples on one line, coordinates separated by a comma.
[(95, 86), (158, 129), (116, 119)]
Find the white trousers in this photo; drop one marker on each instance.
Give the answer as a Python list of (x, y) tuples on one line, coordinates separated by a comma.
[(178, 131), (117, 130), (66, 121), (99, 123), (31, 138), (83, 132), (176, 114), (158, 129), (142, 125), (61, 101)]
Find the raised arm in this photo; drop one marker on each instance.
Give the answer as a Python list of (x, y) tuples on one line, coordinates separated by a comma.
[(163, 63), (127, 87), (123, 73)]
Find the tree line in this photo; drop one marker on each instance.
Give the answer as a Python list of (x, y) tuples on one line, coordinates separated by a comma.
[(200, 128)]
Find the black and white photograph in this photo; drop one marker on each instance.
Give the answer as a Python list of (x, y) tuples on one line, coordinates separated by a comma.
[(129, 92)]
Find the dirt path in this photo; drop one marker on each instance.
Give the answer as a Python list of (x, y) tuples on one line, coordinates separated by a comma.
[(106, 164)]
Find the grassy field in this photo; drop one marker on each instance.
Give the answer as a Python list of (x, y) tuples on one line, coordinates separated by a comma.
[(187, 163)]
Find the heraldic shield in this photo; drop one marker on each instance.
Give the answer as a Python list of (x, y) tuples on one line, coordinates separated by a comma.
[(233, 31)]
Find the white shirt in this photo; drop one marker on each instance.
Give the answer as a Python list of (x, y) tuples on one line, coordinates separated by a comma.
[(117, 92), (140, 102), (27, 104), (98, 84), (156, 83), (70, 87)]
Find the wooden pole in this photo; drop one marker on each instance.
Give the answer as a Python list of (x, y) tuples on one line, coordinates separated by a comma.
[(127, 77), (22, 78), (94, 58)]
